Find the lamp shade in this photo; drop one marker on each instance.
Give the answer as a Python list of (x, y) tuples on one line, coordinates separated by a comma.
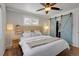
[(46, 27), (10, 27)]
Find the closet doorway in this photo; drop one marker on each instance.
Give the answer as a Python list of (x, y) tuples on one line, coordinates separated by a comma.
[(62, 27)]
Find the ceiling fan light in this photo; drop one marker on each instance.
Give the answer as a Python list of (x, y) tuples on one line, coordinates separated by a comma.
[(47, 9)]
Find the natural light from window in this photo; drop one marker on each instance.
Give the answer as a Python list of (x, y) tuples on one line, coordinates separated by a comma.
[(30, 22)]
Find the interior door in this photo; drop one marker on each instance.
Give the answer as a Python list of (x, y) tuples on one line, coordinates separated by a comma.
[(2, 46), (1, 34)]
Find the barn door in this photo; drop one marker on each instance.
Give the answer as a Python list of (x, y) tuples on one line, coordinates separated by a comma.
[(66, 28), (53, 27)]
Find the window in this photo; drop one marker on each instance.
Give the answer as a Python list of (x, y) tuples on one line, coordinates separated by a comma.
[(34, 21), (29, 21)]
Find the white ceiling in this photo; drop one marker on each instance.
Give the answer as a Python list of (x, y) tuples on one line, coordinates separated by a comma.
[(32, 7)]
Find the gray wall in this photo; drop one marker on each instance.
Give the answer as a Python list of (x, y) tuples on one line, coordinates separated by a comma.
[(18, 18)]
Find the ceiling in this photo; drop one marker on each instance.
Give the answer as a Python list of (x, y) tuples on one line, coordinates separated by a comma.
[(32, 7)]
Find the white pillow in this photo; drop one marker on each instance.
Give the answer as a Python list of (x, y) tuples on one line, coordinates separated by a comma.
[(27, 34), (36, 34)]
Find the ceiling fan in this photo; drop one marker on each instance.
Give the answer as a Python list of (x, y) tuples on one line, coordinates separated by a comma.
[(48, 7)]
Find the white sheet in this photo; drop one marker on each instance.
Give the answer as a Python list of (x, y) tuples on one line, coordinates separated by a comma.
[(22, 39), (50, 49)]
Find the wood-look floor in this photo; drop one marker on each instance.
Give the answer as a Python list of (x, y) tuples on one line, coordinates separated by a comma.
[(18, 52), (74, 51), (13, 52)]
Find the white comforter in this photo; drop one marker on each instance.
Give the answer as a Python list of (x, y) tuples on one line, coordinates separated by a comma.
[(50, 49)]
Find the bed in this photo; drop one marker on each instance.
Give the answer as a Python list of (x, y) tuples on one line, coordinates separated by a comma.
[(51, 48)]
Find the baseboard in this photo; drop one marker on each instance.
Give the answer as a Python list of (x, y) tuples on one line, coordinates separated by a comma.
[(75, 45)]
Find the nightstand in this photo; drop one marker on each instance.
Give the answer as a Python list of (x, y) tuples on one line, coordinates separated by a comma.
[(15, 43)]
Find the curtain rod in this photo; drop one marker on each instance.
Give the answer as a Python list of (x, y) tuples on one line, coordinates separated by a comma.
[(62, 15)]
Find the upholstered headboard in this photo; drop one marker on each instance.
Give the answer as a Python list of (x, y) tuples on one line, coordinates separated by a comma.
[(32, 28)]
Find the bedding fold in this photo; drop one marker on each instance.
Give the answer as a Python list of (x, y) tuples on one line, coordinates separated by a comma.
[(36, 43)]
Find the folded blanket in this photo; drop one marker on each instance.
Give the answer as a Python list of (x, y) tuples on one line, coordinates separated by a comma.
[(36, 43)]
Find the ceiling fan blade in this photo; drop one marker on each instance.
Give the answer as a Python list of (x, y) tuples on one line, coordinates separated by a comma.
[(43, 4), (40, 9), (46, 12), (55, 8), (52, 4)]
